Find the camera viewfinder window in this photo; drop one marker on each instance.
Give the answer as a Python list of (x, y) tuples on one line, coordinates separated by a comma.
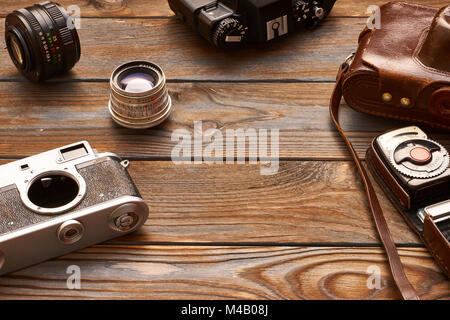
[(74, 152)]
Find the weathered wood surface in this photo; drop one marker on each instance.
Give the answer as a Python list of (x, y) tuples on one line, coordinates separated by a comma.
[(56, 114), (317, 202), (305, 202), (184, 55), (216, 231), (160, 8), (221, 272)]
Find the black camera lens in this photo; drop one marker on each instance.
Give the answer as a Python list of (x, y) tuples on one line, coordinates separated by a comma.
[(42, 40)]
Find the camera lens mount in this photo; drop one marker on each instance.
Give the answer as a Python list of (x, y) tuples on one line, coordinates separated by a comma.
[(124, 218), (40, 40), (53, 192)]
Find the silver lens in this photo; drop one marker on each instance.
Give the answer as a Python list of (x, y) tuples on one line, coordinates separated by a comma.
[(139, 96)]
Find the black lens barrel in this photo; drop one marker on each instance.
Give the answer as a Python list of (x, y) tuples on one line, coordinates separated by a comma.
[(49, 43)]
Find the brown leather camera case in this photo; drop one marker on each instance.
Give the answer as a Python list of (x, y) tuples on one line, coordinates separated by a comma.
[(402, 70)]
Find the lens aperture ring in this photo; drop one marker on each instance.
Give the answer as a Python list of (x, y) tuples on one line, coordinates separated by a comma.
[(56, 14)]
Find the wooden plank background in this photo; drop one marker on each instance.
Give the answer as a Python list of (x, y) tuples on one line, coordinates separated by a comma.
[(216, 231)]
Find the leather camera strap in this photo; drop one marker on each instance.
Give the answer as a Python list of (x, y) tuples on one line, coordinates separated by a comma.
[(404, 286)]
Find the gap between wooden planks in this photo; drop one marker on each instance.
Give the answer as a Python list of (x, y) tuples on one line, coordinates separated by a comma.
[(324, 73)]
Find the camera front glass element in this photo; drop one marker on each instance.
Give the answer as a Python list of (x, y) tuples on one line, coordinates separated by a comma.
[(136, 81), (53, 190), (40, 42)]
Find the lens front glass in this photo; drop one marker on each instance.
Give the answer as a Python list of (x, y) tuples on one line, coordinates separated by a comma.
[(136, 81)]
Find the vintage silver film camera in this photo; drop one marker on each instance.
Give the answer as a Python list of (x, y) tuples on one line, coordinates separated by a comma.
[(63, 200)]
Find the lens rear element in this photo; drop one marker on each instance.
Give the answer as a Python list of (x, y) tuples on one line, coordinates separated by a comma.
[(16, 50)]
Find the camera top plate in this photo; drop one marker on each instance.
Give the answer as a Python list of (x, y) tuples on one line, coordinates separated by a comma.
[(59, 162)]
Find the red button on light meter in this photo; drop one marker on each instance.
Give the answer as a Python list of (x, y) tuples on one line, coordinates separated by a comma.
[(420, 154)]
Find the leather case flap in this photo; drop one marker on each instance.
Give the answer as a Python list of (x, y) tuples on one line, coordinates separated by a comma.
[(393, 51), (435, 50)]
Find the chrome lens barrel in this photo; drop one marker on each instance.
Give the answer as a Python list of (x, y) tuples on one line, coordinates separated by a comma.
[(139, 96)]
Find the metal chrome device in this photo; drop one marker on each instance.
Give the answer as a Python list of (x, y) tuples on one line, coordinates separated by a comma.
[(63, 200), (420, 167)]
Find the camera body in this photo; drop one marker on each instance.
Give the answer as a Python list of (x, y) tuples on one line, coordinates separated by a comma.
[(64, 200), (231, 23), (414, 172)]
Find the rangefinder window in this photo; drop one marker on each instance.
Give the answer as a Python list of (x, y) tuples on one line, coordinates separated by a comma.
[(74, 152)]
